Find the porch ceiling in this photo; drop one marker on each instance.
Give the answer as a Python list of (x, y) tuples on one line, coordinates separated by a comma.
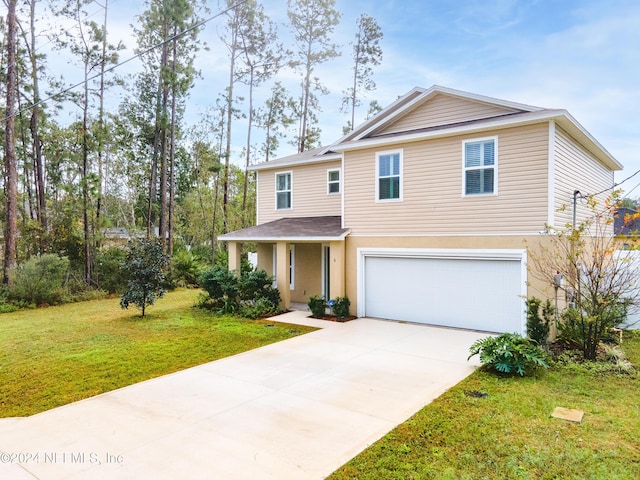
[(300, 229)]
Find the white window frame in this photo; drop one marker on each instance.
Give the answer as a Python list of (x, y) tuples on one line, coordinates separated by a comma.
[(465, 169), (290, 191), (292, 267), (400, 176), (275, 265), (334, 182)]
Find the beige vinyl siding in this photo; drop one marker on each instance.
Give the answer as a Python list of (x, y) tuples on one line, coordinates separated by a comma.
[(433, 203), (576, 169), (443, 110), (309, 192)]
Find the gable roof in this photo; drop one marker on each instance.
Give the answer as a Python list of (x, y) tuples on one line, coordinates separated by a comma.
[(411, 103), (372, 132)]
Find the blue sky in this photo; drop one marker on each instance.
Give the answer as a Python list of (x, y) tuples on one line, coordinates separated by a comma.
[(580, 55)]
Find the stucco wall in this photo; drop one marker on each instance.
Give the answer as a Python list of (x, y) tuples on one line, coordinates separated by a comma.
[(536, 287)]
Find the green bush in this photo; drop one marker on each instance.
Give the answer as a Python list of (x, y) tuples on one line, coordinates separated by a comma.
[(5, 305), (109, 274), (185, 268), (586, 332), (341, 307), (537, 324), (509, 353), (317, 306), (223, 288), (40, 280), (252, 295), (255, 283), (259, 308)]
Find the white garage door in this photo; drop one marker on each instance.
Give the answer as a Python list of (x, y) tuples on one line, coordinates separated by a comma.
[(472, 293)]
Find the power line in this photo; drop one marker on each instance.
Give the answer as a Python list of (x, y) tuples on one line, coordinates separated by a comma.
[(617, 184), (138, 55)]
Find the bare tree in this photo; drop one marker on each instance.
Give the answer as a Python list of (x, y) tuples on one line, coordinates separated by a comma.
[(599, 280)]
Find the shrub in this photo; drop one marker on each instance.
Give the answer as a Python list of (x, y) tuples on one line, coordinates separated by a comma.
[(509, 353), (5, 305), (587, 331), (255, 283), (613, 361), (223, 288), (258, 293), (317, 306), (145, 266), (109, 273), (537, 325), (341, 307), (259, 308), (185, 268), (252, 295), (40, 280)]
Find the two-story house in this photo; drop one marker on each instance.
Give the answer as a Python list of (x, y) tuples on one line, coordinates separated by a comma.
[(425, 213)]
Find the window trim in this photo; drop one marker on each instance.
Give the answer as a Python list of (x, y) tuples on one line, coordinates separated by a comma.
[(333, 182), (277, 174), (400, 175), (494, 167)]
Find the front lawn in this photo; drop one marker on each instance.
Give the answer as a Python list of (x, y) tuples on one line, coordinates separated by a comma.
[(53, 356), (510, 433)]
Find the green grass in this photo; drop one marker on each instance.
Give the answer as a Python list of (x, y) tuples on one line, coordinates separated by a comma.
[(53, 356), (510, 434)]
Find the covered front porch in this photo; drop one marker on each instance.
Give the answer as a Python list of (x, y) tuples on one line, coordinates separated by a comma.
[(306, 255)]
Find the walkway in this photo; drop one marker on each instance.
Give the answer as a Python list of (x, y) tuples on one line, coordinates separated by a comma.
[(297, 409)]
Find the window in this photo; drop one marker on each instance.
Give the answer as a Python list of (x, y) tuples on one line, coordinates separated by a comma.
[(333, 181), (479, 167), (389, 176), (283, 191)]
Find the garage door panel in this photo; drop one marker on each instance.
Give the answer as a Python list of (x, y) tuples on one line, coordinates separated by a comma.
[(479, 294)]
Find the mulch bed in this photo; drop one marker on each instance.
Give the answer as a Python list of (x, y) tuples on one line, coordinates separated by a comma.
[(333, 318)]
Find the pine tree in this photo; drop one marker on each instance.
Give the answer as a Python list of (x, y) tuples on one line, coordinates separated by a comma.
[(312, 23), (366, 54)]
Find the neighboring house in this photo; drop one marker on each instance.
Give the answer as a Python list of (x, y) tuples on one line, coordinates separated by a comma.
[(421, 214), (626, 222)]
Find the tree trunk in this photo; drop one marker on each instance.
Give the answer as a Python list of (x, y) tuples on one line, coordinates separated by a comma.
[(101, 117), (162, 222), (85, 182), (172, 146), (227, 151), (38, 167), (248, 158), (11, 172)]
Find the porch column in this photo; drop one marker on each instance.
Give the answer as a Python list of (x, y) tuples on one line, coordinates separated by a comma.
[(282, 274), (235, 249), (337, 275)]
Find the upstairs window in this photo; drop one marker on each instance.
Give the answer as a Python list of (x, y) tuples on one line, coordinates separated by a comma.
[(389, 176), (283, 191), (480, 167), (333, 181)]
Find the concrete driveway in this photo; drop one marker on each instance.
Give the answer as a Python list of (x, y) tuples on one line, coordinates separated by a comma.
[(297, 409)]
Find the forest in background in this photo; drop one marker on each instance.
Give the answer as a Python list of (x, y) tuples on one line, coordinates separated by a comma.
[(135, 167)]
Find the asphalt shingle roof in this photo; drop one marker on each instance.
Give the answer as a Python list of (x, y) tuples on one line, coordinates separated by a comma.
[(296, 228)]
